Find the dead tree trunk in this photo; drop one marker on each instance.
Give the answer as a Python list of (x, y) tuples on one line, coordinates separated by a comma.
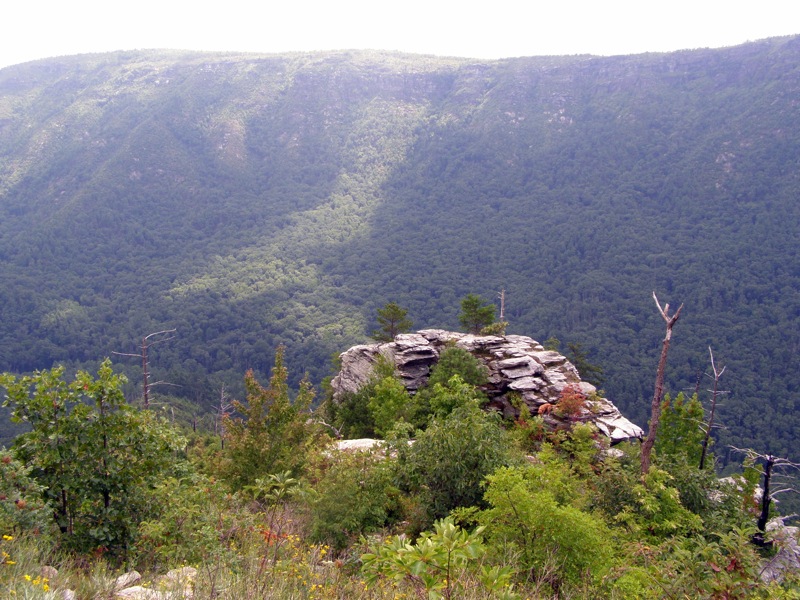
[(714, 394), (655, 409), (766, 496), (146, 343)]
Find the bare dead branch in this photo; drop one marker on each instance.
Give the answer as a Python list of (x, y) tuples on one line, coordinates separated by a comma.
[(337, 431), (149, 335)]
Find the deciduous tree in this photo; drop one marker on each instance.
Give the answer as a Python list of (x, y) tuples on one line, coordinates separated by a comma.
[(95, 456)]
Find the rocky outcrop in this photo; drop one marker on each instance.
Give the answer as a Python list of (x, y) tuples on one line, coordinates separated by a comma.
[(786, 560), (517, 366), (177, 584)]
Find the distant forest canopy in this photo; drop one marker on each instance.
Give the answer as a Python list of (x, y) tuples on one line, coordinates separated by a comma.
[(249, 201)]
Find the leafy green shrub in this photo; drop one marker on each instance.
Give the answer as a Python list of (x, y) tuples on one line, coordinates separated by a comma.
[(22, 507), (680, 434), (389, 403), (584, 448), (525, 514), (648, 506), (457, 361), (354, 493), (527, 431), (450, 459), (725, 566), (94, 456), (195, 517), (352, 415), (453, 362), (436, 565)]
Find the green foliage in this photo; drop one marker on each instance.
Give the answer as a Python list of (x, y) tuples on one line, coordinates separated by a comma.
[(274, 494), (22, 505), (678, 447), (555, 542), (193, 518), (94, 456), (647, 506), (443, 399), (457, 361), (272, 431), (475, 315), (497, 328), (453, 378), (727, 566), (389, 403), (552, 343), (528, 431), (250, 227), (435, 565), (449, 460), (585, 449), (680, 434), (354, 493), (352, 416), (392, 319)]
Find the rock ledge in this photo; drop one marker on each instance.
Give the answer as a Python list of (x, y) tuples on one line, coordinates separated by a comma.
[(516, 365)]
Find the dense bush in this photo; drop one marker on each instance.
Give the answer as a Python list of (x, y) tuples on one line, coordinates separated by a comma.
[(22, 504), (354, 493), (449, 460), (94, 456), (556, 543)]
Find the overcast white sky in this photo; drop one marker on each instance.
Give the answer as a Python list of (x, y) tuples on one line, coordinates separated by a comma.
[(31, 29)]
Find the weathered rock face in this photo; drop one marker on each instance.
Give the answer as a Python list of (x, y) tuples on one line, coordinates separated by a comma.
[(787, 559), (517, 365)]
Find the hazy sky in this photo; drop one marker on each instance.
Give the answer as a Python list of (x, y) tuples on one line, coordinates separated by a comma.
[(31, 29)]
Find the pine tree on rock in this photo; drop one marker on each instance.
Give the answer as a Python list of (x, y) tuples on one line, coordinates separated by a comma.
[(475, 314), (393, 321)]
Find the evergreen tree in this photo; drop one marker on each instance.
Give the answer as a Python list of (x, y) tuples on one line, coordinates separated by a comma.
[(475, 314), (392, 319), (269, 434)]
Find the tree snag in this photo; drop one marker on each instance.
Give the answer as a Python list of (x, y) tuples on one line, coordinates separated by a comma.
[(655, 409), (160, 336), (773, 466), (714, 395)]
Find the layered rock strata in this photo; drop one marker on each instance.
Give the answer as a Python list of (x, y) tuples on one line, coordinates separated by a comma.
[(518, 367)]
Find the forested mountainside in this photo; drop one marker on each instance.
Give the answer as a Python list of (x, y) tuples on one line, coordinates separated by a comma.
[(249, 201)]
